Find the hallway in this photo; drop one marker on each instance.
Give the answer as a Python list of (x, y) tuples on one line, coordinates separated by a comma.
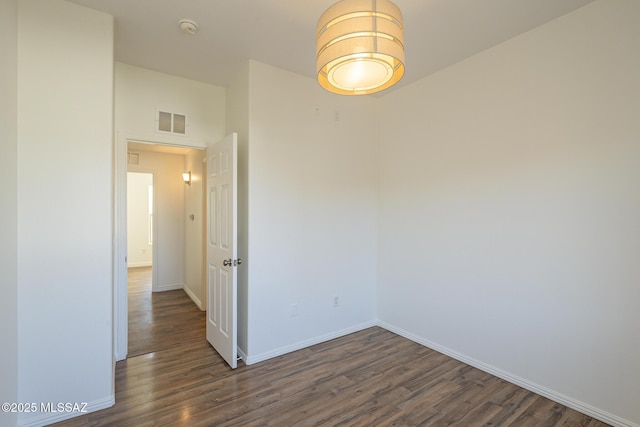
[(160, 320)]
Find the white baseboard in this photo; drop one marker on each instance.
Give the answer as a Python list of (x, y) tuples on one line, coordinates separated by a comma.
[(170, 287), (567, 401), (46, 418), (120, 355), (250, 360), (139, 264), (193, 297)]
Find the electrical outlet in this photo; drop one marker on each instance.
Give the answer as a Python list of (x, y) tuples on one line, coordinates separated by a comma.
[(336, 301), (294, 309)]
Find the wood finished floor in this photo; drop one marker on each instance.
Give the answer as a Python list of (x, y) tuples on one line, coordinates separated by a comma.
[(369, 378), (160, 320)]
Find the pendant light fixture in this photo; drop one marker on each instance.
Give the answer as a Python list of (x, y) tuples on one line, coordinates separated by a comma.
[(360, 47)]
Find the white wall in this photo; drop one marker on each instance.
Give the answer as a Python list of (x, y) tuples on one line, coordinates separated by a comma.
[(140, 92), (194, 228), (168, 216), (312, 212), (8, 212), (64, 206), (139, 234), (510, 205)]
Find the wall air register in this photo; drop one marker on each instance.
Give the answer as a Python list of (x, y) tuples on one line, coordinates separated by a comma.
[(133, 158), (173, 123)]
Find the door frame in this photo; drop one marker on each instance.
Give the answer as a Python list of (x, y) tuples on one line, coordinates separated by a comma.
[(120, 279), (203, 214)]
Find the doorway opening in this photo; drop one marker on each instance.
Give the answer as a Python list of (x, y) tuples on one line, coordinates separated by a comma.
[(160, 237), (140, 261), (139, 219)]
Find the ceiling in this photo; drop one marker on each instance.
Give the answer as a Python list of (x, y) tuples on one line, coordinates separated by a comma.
[(438, 33)]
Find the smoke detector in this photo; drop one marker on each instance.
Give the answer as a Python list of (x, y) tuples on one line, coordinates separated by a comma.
[(187, 26)]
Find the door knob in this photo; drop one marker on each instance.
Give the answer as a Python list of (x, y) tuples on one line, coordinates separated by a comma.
[(227, 262)]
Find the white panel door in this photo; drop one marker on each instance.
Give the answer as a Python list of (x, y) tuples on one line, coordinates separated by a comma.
[(222, 259)]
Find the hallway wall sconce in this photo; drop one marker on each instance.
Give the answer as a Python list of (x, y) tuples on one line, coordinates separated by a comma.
[(360, 47), (186, 177)]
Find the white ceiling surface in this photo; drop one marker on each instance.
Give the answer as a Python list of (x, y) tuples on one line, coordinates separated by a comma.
[(438, 33)]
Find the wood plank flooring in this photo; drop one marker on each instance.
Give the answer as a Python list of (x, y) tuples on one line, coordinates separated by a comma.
[(160, 320), (369, 378)]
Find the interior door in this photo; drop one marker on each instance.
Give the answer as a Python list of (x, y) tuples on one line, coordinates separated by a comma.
[(222, 259)]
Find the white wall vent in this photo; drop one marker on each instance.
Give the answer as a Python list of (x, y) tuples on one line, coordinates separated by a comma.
[(174, 123), (133, 158)]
